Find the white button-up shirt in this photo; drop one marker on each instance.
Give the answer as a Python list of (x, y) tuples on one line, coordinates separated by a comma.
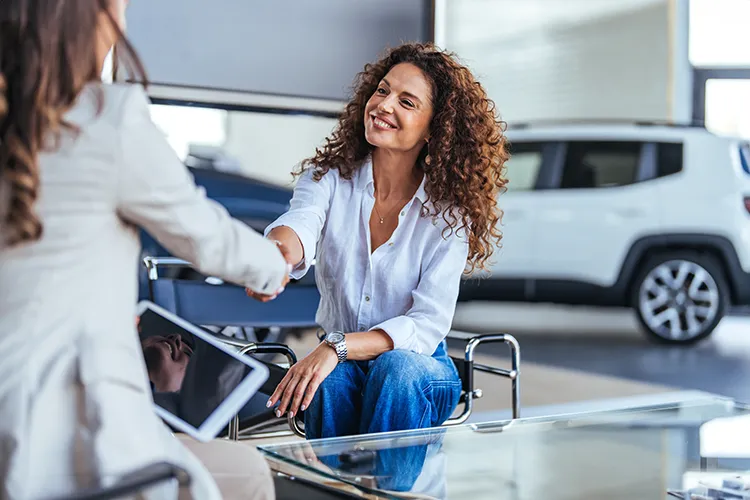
[(407, 287)]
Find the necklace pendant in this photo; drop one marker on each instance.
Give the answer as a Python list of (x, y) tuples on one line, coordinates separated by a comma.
[(381, 220)]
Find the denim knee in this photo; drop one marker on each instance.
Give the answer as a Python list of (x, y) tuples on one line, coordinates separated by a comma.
[(328, 387), (341, 379), (399, 370), (405, 390), (334, 410)]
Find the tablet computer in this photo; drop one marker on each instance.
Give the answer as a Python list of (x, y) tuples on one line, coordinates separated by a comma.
[(198, 383)]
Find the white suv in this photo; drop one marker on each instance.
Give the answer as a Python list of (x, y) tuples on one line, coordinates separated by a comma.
[(649, 216)]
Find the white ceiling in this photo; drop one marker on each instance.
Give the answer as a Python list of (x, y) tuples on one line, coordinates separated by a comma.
[(474, 21)]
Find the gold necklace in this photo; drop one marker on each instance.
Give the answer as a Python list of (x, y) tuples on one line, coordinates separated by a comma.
[(377, 212)]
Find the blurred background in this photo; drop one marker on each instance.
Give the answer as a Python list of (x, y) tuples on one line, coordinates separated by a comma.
[(625, 265)]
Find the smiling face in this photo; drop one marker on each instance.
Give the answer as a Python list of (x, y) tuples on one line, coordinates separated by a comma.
[(397, 116), (166, 361)]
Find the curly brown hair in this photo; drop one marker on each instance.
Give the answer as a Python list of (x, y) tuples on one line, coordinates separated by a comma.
[(47, 57), (467, 146)]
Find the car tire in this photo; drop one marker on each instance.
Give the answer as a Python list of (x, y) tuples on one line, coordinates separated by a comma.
[(679, 297)]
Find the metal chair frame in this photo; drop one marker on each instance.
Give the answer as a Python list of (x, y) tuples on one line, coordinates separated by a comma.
[(467, 378)]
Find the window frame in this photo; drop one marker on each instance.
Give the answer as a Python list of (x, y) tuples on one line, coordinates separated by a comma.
[(554, 154), (549, 149)]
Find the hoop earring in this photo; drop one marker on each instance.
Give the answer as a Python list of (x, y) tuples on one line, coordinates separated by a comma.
[(427, 160)]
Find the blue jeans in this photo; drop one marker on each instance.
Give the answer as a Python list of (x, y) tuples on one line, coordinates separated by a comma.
[(398, 390)]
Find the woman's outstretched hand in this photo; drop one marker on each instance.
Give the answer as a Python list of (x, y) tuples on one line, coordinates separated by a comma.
[(266, 297), (301, 382)]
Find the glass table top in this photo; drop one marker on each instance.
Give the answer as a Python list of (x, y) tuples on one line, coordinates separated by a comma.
[(629, 453)]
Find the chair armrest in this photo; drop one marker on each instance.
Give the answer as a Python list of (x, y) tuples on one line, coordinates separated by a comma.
[(473, 341), (258, 347), (274, 348), (262, 348), (152, 265), (136, 481), (515, 362), (269, 348)]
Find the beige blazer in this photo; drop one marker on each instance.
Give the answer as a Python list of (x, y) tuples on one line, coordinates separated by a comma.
[(75, 405)]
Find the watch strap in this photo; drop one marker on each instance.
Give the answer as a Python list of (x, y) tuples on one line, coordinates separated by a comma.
[(340, 348)]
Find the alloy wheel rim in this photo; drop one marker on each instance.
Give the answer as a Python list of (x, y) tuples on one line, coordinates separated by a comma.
[(678, 300)]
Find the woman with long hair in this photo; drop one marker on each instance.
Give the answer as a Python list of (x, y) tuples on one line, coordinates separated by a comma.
[(82, 166), (394, 208)]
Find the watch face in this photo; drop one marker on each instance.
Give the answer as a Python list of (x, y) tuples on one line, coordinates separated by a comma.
[(335, 337)]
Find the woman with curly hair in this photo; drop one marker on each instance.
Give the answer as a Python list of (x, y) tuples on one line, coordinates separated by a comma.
[(394, 206)]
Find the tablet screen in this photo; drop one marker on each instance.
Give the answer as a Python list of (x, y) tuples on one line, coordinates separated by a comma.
[(189, 377)]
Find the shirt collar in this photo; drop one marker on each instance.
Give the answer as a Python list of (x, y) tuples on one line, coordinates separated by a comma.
[(421, 194), (364, 181), (363, 175)]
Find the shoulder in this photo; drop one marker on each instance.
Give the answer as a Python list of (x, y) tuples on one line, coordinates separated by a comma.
[(125, 102), (113, 104), (329, 179), (121, 93)]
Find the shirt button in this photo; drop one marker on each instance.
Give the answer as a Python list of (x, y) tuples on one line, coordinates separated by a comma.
[(390, 244), (361, 328), (402, 214), (367, 298), (434, 222)]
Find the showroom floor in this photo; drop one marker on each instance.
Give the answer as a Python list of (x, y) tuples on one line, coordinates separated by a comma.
[(608, 342)]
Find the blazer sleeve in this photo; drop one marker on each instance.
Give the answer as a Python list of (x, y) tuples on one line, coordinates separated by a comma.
[(157, 193)]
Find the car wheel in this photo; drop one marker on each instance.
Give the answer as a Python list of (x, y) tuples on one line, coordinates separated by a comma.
[(680, 297)]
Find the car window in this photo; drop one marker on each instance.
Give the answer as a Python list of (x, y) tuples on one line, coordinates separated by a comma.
[(669, 158), (522, 170), (600, 164)]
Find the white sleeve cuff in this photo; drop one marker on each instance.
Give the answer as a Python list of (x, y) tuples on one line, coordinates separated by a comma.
[(297, 223), (403, 330)]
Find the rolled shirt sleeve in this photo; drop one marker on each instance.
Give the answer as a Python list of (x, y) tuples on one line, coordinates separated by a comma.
[(307, 215), (428, 321)]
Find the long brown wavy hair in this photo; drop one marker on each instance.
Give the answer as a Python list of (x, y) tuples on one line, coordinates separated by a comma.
[(47, 57), (467, 146)]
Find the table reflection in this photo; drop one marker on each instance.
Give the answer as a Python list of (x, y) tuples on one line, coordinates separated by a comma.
[(629, 453)]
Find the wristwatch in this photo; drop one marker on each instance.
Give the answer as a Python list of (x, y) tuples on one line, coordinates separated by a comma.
[(337, 341)]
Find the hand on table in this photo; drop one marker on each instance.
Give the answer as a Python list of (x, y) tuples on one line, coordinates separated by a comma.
[(267, 297), (297, 388)]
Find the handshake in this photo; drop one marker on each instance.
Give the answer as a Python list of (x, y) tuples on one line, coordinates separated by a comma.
[(289, 266)]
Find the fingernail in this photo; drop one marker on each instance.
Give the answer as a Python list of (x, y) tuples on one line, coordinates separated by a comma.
[(279, 290), (291, 414), (278, 413), (269, 404), (302, 408), (289, 268)]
